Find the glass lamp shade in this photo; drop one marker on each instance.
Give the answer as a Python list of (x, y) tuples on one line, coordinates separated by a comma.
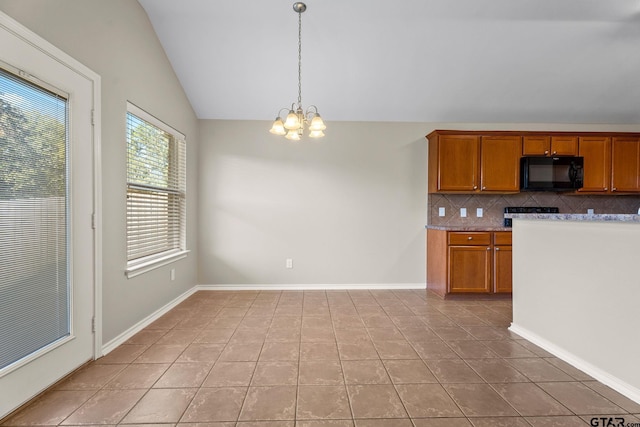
[(316, 134), (293, 135), (278, 127), (292, 121), (317, 124)]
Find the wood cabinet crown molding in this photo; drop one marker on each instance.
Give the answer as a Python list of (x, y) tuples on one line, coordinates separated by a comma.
[(528, 133)]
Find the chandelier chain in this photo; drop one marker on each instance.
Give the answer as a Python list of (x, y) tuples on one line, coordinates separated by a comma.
[(300, 59)]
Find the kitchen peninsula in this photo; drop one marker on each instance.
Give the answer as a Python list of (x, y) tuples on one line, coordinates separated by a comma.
[(576, 287)]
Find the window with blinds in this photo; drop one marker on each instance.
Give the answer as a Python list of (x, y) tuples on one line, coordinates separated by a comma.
[(34, 219), (156, 192)]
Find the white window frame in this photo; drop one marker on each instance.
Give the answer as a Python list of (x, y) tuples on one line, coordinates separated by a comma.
[(147, 263)]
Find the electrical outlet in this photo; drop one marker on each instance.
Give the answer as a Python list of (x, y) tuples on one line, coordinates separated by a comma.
[(289, 263), (479, 212), (441, 212), (172, 274), (589, 211), (463, 212)]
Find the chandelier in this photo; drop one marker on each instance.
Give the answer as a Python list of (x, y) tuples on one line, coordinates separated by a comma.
[(297, 118)]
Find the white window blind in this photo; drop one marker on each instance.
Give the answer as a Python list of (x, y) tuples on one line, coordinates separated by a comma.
[(156, 189), (34, 236)]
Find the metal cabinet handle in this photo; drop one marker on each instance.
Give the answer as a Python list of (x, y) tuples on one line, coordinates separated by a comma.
[(546, 151), (555, 152), (497, 249), (469, 238), (475, 187), (606, 188), (484, 188), (614, 189), (488, 249)]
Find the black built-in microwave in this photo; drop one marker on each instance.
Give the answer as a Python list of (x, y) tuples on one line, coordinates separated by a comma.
[(551, 173)]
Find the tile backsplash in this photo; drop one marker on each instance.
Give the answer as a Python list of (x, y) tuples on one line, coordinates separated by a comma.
[(493, 206)]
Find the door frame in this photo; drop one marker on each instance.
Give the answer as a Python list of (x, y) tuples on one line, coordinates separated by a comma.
[(9, 24)]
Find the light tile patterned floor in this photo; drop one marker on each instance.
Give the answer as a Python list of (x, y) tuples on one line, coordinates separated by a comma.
[(328, 358)]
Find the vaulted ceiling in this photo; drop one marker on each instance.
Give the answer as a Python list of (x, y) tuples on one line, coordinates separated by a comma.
[(544, 61)]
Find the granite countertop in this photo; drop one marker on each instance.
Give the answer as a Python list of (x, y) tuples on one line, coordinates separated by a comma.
[(467, 228), (579, 217)]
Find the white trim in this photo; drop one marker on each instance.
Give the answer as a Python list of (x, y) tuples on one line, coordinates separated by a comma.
[(97, 216), (312, 286), (143, 267), (142, 114), (124, 336), (604, 377)]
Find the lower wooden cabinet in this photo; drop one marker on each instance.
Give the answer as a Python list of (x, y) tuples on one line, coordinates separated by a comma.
[(469, 269), (468, 262)]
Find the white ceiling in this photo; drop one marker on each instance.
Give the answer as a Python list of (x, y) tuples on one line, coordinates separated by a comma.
[(544, 61)]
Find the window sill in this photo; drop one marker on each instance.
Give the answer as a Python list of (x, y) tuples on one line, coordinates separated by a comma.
[(142, 266)]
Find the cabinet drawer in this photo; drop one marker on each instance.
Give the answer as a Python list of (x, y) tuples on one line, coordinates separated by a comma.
[(471, 238), (502, 238)]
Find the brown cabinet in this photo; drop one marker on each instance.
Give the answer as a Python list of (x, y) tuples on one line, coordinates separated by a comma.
[(469, 269), (625, 164), (596, 151), (468, 262), (500, 163), (470, 163), (554, 145), (611, 164), (475, 162), (502, 262), (456, 162)]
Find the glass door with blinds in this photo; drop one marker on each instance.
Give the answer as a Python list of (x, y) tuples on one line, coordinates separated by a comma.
[(46, 236), (34, 216)]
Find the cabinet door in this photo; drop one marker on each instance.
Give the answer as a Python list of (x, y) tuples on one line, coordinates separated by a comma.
[(596, 151), (625, 154), (458, 162), (564, 146), (502, 269), (469, 269), (536, 145), (500, 163)]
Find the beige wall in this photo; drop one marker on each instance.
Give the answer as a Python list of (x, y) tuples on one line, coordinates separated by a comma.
[(116, 40), (348, 209)]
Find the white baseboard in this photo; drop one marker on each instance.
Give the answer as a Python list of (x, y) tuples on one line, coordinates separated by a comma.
[(309, 287), (604, 377), (124, 336)]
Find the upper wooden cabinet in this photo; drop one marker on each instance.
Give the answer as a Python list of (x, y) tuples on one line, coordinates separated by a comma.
[(625, 164), (611, 165), (489, 161), (554, 145), (474, 163), (500, 163), (455, 162), (596, 151)]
